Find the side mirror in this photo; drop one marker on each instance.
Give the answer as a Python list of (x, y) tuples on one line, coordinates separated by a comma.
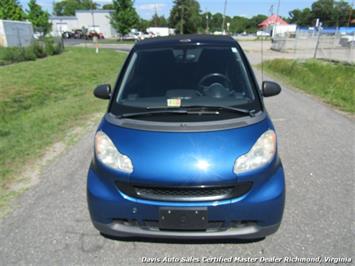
[(270, 88), (103, 91)]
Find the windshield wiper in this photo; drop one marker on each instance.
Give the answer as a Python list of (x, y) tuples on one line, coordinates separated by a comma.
[(168, 111), (206, 107)]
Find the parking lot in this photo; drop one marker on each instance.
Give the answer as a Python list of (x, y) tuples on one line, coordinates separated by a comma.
[(51, 224)]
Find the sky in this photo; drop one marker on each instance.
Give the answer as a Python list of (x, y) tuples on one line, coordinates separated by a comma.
[(246, 8)]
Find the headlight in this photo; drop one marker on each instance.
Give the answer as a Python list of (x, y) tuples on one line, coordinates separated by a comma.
[(107, 153), (260, 154)]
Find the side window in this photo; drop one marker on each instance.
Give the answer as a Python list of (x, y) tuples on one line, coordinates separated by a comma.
[(240, 75), (127, 75)]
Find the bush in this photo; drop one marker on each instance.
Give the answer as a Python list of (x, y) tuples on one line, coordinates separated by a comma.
[(29, 53), (58, 47), (39, 49), (53, 46), (18, 54), (49, 44), (14, 54)]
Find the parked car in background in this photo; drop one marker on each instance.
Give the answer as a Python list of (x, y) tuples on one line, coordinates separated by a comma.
[(67, 35), (347, 41), (91, 34), (130, 37), (37, 35), (79, 34), (261, 33)]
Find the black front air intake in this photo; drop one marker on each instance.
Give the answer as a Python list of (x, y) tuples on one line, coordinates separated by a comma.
[(184, 193)]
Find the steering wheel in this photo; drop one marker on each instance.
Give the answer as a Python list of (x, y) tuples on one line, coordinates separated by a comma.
[(215, 89)]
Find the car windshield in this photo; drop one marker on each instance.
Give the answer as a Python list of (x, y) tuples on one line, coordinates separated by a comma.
[(186, 76)]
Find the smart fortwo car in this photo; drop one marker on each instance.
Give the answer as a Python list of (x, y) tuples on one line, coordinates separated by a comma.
[(186, 148)]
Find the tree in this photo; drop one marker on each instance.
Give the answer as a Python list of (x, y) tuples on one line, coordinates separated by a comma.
[(185, 16), (239, 24), (143, 24), (329, 12), (124, 17), (107, 6), (216, 22), (342, 11), (38, 17), (205, 22), (253, 23), (68, 7), (158, 21), (351, 18), (324, 10), (301, 17), (12, 10)]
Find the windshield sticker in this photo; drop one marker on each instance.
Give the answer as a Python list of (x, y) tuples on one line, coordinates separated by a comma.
[(174, 102), (234, 50)]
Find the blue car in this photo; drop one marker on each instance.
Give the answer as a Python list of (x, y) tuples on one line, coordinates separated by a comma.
[(186, 148)]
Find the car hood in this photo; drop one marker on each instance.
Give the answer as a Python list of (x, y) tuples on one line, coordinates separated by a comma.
[(184, 158)]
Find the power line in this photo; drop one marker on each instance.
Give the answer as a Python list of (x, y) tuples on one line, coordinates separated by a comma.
[(224, 16), (278, 8)]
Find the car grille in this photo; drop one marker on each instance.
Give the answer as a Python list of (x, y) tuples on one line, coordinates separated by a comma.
[(199, 193)]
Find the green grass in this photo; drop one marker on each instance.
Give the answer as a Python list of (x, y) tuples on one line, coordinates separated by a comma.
[(2, 51), (116, 41), (334, 83), (43, 99), (2, 54)]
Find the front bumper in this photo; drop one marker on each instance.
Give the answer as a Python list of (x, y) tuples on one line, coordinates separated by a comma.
[(247, 232), (256, 214)]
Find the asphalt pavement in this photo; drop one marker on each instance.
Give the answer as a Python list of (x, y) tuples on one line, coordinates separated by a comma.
[(50, 224)]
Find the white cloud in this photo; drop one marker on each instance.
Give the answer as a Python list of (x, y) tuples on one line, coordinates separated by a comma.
[(45, 4), (151, 7), (244, 15)]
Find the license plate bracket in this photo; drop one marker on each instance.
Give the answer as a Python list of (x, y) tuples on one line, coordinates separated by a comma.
[(186, 219)]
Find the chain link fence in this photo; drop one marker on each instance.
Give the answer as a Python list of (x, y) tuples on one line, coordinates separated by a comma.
[(334, 46)]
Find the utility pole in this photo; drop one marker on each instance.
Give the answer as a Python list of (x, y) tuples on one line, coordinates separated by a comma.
[(207, 28), (278, 8), (335, 7), (155, 15), (93, 19), (350, 13), (224, 16), (182, 20), (318, 37)]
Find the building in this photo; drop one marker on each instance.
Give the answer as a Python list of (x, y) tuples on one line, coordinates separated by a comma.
[(98, 20), (272, 20), (276, 26), (15, 33)]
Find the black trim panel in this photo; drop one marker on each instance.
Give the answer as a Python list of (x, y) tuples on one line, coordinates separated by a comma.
[(184, 193), (186, 126)]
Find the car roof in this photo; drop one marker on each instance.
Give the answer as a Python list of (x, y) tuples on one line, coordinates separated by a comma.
[(187, 39)]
